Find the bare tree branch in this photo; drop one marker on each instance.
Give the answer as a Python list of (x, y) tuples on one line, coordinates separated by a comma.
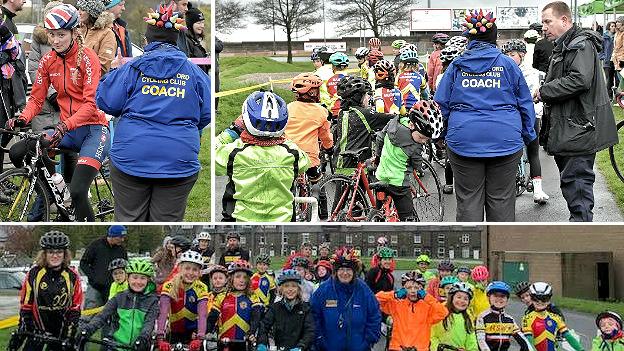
[(380, 16), (230, 15)]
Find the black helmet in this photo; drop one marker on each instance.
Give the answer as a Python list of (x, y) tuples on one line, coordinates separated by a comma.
[(514, 45), (324, 53), (521, 287), (232, 235), (181, 241), (536, 26), (117, 263), (350, 87), (54, 240)]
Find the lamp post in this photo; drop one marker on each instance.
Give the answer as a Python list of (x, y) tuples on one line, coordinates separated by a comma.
[(324, 25), (274, 38)]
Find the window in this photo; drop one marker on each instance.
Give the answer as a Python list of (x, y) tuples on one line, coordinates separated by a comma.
[(243, 240), (186, 226), (466, 252), (417, 251), (371, 239), (262, 251), (305, 237), (394, 239), (441, 251), (349, 238), (465, 239), (285, 240), (441, 239), (261, 240), (417, 239)]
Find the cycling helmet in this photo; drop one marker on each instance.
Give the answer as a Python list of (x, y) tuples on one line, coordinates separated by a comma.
[(374, 56), (463, 269), (536, 27), (203, 236), (54, 239), (353, 87), (117, 263), (541, 291), (498, 286), (413, 276), (324, 245), (63, 16), (423, 258), (463, 287), (232, 235), (303, 82), (181, 241), (339, 59), (263, 258), (324, 263), (449, 53), (300, 261), (191, 257), (427, 118), (239, 266), (480, 273), (609, 314), (440, 38), (346, 258), (531, 34), (398, 43), (361, 52), (265, 114), (214, 269), (289, 275), (383, 69), (457, 40), (325, 54), (409, 56), (521, 288), (376, 42), (446, 265), (141, 266), (315, 53), (448, 280), (409, 47), (514, 45), (385, 252)]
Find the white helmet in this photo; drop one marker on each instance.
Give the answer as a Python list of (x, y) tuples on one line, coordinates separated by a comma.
[(192, 257), (540, 289), (203, 236), (531, 34), (361, 52)]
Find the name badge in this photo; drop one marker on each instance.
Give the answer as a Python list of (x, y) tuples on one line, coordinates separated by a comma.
[(331, 303)]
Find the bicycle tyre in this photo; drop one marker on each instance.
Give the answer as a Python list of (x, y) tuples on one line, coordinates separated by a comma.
[(619, 171), (338, 181), (303, 212), (427, 194), (522, 179), (103, 203), (375, 215), (17, 177)]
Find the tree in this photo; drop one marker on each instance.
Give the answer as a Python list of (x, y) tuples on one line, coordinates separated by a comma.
[(376, 15), (230, 15), (291, 15)]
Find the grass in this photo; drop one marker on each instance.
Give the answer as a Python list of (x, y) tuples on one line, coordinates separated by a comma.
[(199, 205), (402, 264), (614, 184), (588, 306)]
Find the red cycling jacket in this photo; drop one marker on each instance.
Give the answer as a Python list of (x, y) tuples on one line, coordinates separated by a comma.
[(76, 98)]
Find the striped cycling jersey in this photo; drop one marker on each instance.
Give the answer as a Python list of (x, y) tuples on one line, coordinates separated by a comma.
[(183, 315), (262, 285), (495, 329), (331, 86), (388, 100), (411, 84), (543, 326), (235, 312)]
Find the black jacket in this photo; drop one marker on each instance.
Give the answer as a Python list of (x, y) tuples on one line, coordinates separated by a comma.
[(233, 255), (196, 49), (578, 119), (127, 50), (379, 279), (8, 15), (95, 260), (541, 54), (289, 329), (13, 90)]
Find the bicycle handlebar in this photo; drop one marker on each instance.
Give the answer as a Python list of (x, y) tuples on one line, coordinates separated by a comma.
[(110, 343), (44, 338)]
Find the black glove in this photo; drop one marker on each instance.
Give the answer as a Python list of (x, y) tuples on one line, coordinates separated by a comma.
[(16, 341), (4, 58), (59, 131), (13, 123)]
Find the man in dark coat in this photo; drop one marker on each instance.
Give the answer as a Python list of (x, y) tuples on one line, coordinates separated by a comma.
[(578, 119), (543, 50)]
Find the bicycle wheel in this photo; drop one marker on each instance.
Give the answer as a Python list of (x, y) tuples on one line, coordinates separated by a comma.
[(339, 189), (427, 194), (618, 149), (102, 200), (522, 178), (375, 215), (23, 201), (302, 210)]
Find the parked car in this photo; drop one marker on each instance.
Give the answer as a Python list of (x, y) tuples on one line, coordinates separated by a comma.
[(11, 280)]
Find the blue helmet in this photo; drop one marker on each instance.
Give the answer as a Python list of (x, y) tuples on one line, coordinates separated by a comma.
[(498, 286), (289, 275), (63, 16), (265, 114), (339, 59), (409, 56)]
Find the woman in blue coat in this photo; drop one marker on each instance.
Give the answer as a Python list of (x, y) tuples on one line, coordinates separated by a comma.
[(489, 111), (346, 313)]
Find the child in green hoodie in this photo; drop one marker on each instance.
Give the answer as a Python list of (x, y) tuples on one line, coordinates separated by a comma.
[(132, 312), (611, 337), (456, 331), (117, 269)]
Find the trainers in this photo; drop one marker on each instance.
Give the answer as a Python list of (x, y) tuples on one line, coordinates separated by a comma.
[(447, 189)]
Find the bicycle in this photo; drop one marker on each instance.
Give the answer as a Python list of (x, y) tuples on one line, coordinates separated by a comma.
[(387, 212), (31, 186), (522, 176), (108, 343), (40, 338), (213, 343)]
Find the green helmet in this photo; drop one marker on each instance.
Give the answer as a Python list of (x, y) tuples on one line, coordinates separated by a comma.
[(385, 252), (141, 266), (398, 43), (339, 59), (451, 279), (423, 258)]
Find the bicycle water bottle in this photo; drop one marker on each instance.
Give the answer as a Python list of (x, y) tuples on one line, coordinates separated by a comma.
[(59, 182)]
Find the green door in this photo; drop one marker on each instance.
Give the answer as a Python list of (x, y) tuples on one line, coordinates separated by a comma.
[(514, 272)]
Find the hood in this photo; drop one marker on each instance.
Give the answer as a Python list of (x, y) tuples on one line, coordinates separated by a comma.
[(160, 61), (577, 37), (105, 20), (40, 36), (479, 57), (594, 37), (397, 139)]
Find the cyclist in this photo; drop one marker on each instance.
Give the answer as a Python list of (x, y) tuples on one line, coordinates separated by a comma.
[(400, 143), (413, 312), (289, 321), (463, 274), (117, 269), (132, 312), (261, 164), (217, 278), (374, 56), (166, 266), (329, 89), (456, 330), (380, 278), (263, 284), (51, 295), (423, 262), (521, 289), (315, 58), (396, 51), (183, 301), (386, 98), (434, 66), (203, 246), (361, 54), (301, 265), (237, 313), (324, 251), (374, 44), (323, 271), (305, 250), (420, 68), (412, 84), (445, 286), (517, 49), (494, 327), (308, 124), (325, 71), (480, 303), (82, 127), (445, 268), (611, 337), (543, 326)]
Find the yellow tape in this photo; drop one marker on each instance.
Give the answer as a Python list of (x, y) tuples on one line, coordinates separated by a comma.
[(14, 320)]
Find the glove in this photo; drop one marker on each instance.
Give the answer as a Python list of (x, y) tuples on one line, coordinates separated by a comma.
[(195, 345), (421, 294), (13, 123), (401, 293), (163, 345), (4, 58), (59, 131), (262, 347), (16, 341)]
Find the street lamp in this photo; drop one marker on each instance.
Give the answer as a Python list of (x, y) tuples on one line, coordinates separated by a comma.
[(324, 24)]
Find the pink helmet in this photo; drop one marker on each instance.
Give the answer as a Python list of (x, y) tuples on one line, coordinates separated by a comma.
[(480, 273)]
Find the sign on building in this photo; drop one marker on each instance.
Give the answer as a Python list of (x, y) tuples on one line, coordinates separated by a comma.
[(430, 19), (336, 45), (516, 17)]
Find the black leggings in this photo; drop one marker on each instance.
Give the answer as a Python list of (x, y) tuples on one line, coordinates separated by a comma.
[(533, 153), (448, 171)]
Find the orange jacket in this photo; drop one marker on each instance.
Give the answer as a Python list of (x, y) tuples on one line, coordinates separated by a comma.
[(307, 124), (76, 97), (434, 68), (412, 322)]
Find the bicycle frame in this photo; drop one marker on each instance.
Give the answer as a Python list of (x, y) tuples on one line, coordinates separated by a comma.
[(389, 210), (358, 175)]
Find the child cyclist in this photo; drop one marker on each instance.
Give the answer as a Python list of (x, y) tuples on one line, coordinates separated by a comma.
[(400, 143), (329, 89), (610, 337), (261, 164), (521, 289), (445, 286), (374, 56), (423, 262), (463, 274), (434, 66), (480, 303), (445, 269), (379, 277), (386, 98), (412, 84), (289, 321), (302, 265), (361, 54), (183, 302), (413, 312), (543, 326), (396, 51), (132, 312), (117, 269), (456, 330), (325, 70), (237, 313), (323, 271), (263, 284), (494, 327), (517, 49)]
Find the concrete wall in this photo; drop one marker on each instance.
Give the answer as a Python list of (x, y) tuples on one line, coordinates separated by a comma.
[(543, 266)]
